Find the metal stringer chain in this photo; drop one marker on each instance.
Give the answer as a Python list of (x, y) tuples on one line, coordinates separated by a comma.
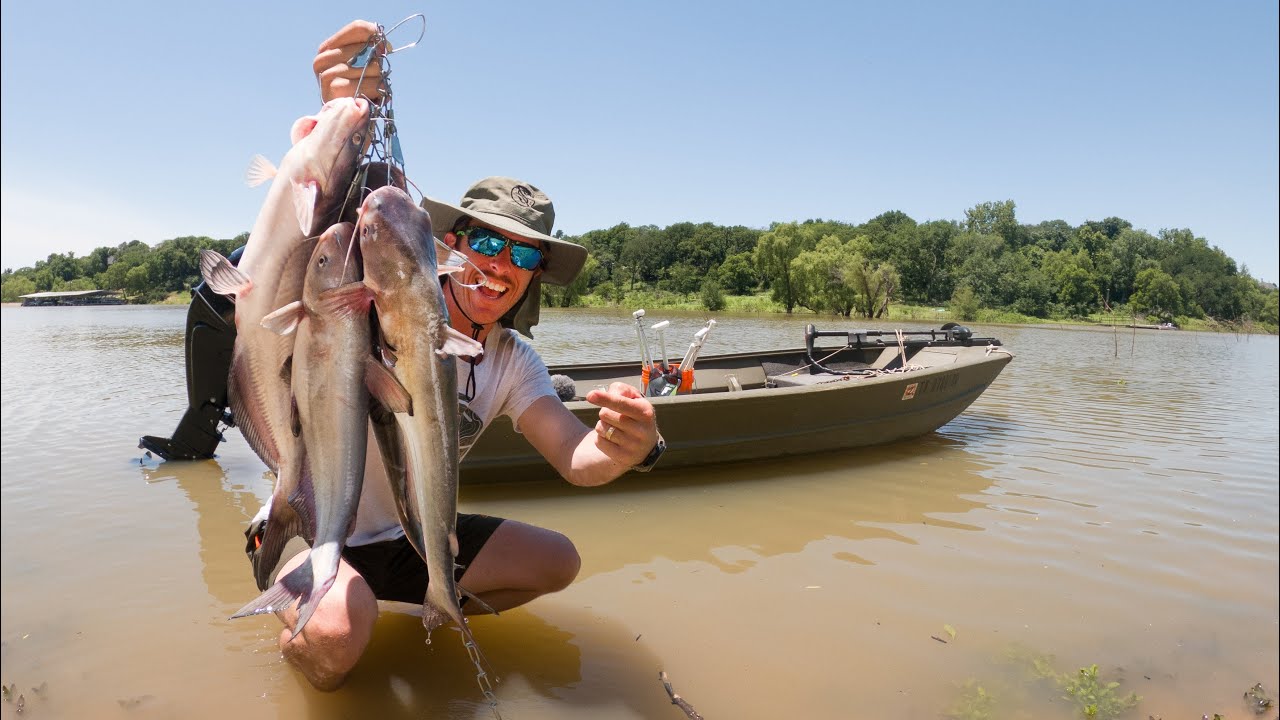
[(384, 141)]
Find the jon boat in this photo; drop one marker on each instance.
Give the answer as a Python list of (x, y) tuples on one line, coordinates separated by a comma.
[(878, 387)]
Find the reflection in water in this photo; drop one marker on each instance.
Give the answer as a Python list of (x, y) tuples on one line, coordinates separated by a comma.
[(764, 508), (222, 511), (539, 664)]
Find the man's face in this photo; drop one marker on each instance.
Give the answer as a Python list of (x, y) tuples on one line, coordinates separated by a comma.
[(502, 284)]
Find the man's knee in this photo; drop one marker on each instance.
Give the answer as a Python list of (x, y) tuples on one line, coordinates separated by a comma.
[(566, 565), (336, 635)]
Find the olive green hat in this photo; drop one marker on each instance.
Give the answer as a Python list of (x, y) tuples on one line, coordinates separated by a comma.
[(520, 209)]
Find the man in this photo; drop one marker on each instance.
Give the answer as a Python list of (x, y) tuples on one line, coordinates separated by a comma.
[(502, 226)]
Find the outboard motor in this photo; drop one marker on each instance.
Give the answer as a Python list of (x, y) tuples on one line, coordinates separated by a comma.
[(210, 337)]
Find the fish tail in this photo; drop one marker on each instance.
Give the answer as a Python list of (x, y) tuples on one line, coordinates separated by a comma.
[(310, 600), (281, 595)]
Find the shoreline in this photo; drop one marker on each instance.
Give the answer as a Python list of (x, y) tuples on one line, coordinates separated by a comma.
[(902, 313)]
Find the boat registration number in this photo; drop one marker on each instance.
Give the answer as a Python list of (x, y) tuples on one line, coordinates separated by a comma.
[(944, 382)]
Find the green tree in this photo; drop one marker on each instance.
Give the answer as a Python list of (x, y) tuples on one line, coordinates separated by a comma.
[(876, 284), (712, 294), (1023, 285), (1071, 275), (774, 253), (823, 277), (683, 278), (964, 304), (975, 261), (644, 252), (1155, 292), (15, 287), (571, 294), (1050, 234), (73, 285), (996, 218), (920, 254), (138, 280), (738, 274)]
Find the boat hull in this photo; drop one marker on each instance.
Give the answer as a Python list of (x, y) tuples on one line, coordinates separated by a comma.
[(772, 415)]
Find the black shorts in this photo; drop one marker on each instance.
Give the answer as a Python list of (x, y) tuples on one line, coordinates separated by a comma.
[(395, 571)]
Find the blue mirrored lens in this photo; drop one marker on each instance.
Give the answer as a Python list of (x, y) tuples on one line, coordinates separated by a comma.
[(525, 257), (489, 243)]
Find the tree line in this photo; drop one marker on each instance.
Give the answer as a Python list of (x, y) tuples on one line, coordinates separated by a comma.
[(1045, 270)]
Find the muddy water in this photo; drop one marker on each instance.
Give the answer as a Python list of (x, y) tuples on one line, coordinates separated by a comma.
[(1112, 499)]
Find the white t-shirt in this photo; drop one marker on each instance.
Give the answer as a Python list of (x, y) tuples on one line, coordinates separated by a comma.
[(507, 381)]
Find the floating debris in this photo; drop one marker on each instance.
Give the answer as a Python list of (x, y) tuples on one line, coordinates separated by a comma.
[(40, 691), (1258, 699), (134, 702), (676, 699)]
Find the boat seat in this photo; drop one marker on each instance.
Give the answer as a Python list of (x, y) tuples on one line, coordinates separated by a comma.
[(713, 380), (805, 380)]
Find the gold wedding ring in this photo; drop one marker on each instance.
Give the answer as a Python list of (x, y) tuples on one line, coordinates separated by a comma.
[(608, 434)]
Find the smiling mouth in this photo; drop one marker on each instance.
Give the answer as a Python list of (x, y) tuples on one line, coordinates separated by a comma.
[(495, 288)]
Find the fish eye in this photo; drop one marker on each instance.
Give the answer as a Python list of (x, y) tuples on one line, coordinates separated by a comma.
[(324, 259), (357, 139)]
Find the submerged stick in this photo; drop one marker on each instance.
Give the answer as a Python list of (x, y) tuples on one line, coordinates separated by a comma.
[(676, 699)]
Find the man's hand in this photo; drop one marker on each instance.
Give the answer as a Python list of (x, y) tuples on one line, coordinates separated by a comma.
[(336, 77), (628, 427)]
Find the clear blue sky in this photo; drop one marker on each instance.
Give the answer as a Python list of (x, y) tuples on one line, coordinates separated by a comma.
[(136, 120)]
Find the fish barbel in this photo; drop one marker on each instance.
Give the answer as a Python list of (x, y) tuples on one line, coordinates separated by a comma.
[(308, 188)]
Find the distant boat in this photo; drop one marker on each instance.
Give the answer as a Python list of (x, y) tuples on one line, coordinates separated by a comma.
[(757, 405), (1161, 326)]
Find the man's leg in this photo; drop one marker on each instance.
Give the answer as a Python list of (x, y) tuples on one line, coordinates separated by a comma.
[(335, 637), (517, 564)]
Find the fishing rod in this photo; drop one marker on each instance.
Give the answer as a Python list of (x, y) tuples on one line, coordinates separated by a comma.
[(662, 380)]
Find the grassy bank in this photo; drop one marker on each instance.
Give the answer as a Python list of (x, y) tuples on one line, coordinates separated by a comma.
[(762, 303)]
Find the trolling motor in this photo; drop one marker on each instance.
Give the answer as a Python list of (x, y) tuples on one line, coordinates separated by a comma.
[(210, 337)]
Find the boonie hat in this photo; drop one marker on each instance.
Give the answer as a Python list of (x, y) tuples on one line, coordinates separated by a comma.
[(520, 209)]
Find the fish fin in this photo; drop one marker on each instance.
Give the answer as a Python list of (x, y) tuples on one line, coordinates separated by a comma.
[(388, 354), (286, 371), (432, 618), (260, 170), (303, 502), (282, 526), (281, 595), (221, 276), (346, 301), (385, 388), (285, 320), (304, 204), (455, 343), (310, 601), (302, 127), (473, 598)]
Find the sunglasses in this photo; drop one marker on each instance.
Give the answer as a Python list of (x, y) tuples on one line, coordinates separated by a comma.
[(490, 242)]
